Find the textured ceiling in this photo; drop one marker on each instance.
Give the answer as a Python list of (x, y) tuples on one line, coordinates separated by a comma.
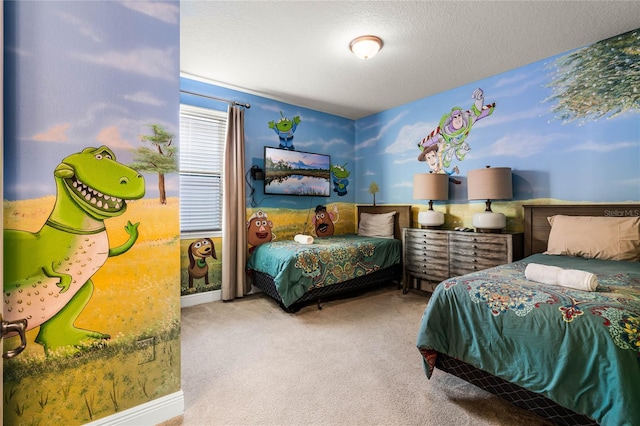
[(298, 51)]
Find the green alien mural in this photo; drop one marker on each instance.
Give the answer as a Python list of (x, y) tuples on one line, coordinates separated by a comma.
[(285, 128), (48, 275), (340, 181)]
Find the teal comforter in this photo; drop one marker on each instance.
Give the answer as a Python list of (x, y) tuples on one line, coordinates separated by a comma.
[(297, 268), (580, 349)]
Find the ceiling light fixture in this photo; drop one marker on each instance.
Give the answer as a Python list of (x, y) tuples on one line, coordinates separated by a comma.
[(365, 47)]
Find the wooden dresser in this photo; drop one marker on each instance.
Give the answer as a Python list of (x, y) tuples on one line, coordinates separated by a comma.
[(433, 255)]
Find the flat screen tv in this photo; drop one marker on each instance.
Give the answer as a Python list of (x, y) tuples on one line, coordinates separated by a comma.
[(296, 173)]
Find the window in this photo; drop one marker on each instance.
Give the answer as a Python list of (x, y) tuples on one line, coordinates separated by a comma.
[(202, 138)]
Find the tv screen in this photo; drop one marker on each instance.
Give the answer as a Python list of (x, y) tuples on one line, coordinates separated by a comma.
[(296, 173)]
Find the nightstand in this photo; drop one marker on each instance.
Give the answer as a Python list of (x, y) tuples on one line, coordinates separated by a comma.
[(433, 255)]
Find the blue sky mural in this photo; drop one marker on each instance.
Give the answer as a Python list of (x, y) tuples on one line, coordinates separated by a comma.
[(67, 113), (586, 159), (317, 132), (579, 160)]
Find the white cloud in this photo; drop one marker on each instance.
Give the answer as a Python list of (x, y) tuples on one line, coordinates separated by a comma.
[(381, 132), (165, 12), (154, 63), (83, 27), (110, 136), (409, 137), (56, 133), (405, 184), (601, 146), (145, 98), (512, 78), (635, 182), (405, 160), (515, 145)]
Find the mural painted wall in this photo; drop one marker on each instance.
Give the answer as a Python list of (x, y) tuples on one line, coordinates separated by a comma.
[(90, 227), (270, 123), (568, 126)]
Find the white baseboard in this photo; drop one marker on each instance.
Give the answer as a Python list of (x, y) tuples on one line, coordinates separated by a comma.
[(151, 413), (198, 298), (206, 297)]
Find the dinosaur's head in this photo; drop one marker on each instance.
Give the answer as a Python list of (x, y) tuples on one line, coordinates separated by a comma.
[(97, 183)]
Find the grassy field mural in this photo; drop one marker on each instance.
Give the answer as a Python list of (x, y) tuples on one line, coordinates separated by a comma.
[(135, 301), (289, 222)]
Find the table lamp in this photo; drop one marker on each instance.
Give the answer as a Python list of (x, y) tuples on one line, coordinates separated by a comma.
[(430, 186), (490, 183)]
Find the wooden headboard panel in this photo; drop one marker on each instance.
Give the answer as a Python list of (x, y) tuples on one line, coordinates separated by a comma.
[(537, 228), (402, 219)]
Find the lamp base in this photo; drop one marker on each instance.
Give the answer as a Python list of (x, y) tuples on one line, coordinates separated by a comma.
[(489, 222), (430, 219)]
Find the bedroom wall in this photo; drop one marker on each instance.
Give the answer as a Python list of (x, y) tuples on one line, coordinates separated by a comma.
[(565, 143), (316, 132), (97, 74), (557, 155)]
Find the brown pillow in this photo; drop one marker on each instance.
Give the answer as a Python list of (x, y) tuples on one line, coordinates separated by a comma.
[(597, 237)]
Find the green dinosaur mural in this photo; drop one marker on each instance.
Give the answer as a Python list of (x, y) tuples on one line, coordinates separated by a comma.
[(49, 281)]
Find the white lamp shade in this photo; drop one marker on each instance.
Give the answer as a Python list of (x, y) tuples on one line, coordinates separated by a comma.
[(431, 186), (366, 47), (490, 183)]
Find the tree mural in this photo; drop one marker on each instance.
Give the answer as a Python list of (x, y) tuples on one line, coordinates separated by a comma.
[(597, 80), (161, 160), (373, 188)]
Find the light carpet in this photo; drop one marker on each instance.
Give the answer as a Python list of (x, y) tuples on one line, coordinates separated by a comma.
[(355, 362)]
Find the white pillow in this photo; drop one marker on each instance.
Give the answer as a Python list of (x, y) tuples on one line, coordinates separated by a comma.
[(376, 225)]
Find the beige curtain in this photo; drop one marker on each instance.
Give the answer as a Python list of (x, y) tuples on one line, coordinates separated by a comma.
[(234, 229)]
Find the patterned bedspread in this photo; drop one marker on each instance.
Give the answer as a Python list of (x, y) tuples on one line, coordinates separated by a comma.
[(298, 268), (580, 349)]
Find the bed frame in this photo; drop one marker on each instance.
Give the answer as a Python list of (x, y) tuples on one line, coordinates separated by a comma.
[(536, 235), (402, 219)]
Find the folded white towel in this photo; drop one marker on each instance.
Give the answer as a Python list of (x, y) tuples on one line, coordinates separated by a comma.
[(580, 280), (542, 273), (303, 239), (572, 278)]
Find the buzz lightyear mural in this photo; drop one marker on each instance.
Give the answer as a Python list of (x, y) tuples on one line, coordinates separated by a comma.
[(449, 139)]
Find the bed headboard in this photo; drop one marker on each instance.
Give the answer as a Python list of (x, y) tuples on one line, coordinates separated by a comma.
[(537, 228), (402, 219)]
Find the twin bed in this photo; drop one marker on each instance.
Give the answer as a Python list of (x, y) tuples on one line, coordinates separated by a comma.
[(295, 274), (572, 356)]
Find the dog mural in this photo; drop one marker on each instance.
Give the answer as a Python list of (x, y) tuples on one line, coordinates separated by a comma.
[(198, 251)]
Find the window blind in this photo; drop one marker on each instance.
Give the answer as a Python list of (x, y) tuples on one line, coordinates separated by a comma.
[(202, 138)]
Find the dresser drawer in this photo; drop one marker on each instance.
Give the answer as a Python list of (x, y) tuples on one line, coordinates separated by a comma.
[(473, 252), (461, 266), (428, 268), (477, 242), (426, 239)]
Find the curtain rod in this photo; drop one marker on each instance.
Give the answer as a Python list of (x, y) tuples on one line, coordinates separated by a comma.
[(247, 106)]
